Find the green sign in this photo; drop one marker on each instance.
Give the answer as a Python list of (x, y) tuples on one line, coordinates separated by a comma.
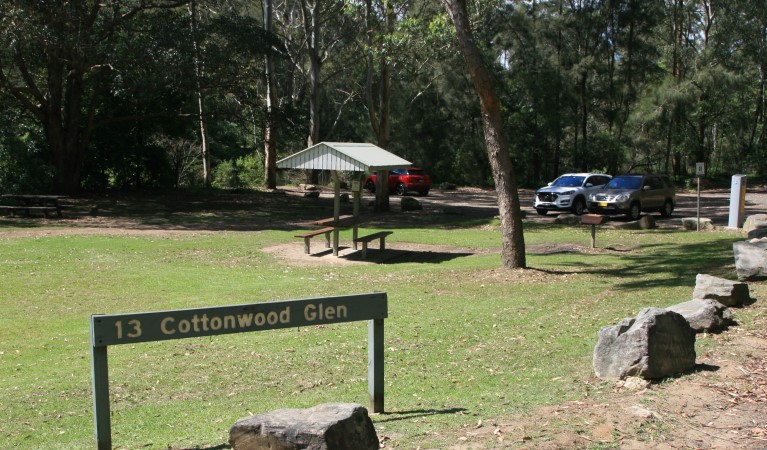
[(131, 328), (115, 329)]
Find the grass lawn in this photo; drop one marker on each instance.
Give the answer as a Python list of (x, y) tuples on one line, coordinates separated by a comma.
[(465, 340)]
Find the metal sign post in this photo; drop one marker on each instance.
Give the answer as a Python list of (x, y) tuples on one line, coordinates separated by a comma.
[(131, 328)]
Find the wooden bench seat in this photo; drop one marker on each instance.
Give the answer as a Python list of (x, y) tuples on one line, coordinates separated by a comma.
[(310, 234), (381, 236), (13, 209)]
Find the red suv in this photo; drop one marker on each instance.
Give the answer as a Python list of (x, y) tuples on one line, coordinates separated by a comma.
[(402, 181)]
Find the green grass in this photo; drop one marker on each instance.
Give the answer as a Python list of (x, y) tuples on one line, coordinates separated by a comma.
[(465, 339)]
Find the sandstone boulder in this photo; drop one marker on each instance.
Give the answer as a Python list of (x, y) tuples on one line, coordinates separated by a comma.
[(568, 219), (655, 344), (704, 315), (751, 259), (691, 223), (410, 204), (329, 426), (755, 222), (726, 292), (646, 222)]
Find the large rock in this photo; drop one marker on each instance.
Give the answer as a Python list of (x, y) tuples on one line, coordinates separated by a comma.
[(646, 222), (656, 344), (410, 204), (751, 259), (692, 223), (726, 292), (704, 315), (568, 219), (755, 222), (329, 426)]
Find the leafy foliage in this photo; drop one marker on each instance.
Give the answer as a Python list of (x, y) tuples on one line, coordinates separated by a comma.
[(585, 85)]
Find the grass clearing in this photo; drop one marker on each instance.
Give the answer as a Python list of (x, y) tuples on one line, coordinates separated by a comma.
[(465, 340)]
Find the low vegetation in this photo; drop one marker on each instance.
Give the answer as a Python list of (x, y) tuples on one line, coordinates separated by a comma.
[(466, 341)]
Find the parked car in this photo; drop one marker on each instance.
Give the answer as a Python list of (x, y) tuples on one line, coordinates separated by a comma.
[(568, 192), (634, 194), (402, 181)]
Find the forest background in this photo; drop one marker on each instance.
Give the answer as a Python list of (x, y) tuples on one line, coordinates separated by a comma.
[(147, 94)]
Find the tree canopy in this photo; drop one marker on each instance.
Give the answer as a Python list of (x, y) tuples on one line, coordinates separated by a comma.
[(134, 94)]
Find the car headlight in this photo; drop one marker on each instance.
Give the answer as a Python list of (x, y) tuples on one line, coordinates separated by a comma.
[(568, 193), (621, 197), (592, 197)]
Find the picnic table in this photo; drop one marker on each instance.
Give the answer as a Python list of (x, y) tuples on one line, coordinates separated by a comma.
[(333, 225), (27, 203)]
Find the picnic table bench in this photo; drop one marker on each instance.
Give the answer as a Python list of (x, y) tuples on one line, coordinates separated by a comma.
[(364, 240), (332, 225), (28, 203), (310, 234)]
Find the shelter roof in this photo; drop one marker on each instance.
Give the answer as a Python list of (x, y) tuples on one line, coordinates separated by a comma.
[(344, 156)]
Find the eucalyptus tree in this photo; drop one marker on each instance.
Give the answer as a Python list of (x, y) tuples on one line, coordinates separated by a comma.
[(55, 62), (513, 243)]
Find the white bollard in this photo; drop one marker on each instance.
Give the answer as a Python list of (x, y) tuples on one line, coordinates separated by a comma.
[(737, 201)]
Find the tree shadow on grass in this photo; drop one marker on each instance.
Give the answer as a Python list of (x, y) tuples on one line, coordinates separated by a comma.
[(218, 447), (679, 263), (413, 413)]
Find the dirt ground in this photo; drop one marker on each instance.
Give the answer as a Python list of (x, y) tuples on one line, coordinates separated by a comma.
[(722, 404)]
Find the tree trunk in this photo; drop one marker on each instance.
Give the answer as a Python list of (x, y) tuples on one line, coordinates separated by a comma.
[(270, 128), (379, 111), (513, 242), (312, 32), (198, 73), (67, 138)]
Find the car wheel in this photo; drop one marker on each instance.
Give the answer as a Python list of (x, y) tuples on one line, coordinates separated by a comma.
[(668, 208), (635, 211), (371, 187), (579, 206), (541, 212), (400, 189)]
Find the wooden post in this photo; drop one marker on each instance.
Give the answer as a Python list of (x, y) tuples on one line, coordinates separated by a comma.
[(593, 220), (593, 236), (376, 364), (101, 417)]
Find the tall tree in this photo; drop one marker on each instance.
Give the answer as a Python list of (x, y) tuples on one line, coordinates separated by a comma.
[(199, 73), (54, 60), (513, 242), (270, 127)]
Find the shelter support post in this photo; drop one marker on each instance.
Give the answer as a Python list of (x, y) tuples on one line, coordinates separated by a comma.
[(336, 209), (357, 198)]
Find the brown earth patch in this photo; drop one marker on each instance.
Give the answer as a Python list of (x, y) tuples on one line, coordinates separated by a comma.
[(721, 404)]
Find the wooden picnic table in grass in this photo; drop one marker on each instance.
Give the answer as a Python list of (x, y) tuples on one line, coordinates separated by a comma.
[(333, 225), (27, 203)]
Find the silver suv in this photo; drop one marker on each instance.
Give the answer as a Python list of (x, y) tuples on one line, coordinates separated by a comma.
[(568, 192), (634, 194)]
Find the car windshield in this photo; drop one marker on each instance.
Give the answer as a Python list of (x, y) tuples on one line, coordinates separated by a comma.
[(625, 183), (568, 181), (415, 172)]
